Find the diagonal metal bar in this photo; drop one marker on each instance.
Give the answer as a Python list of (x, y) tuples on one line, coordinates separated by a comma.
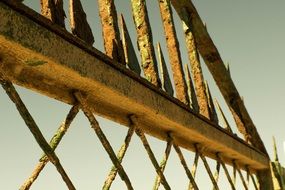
[(173, 51), (114, 170), (234, 172), (254, 182), (247, 176), (110, 30), (145, 42), (53, 144), (241, 176), (184, 164), (196, 68), (207, 167), (226, 171), (147, 147), (14, 96), (217, 173), (194, 169), (163, 164), (103, 139)]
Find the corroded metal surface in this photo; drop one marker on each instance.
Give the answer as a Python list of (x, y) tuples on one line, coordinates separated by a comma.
[(188, 13), (196, 70), (165, 78), (173, 51), (29, 59), (34, 129), (78, 22), (53, 144), (111, 34), (53, 10), (129, 51), (144, 41), (219, 72)]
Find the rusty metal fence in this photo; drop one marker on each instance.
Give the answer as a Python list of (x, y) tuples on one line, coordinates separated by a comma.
[(191, 92)]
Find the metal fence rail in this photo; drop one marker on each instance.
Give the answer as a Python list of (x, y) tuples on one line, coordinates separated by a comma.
[(110, 85)]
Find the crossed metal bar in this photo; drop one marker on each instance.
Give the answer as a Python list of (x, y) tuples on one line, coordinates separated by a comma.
[(49, 154)]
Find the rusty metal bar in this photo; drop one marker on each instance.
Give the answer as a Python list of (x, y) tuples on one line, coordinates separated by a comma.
[(81, 68), (207, 167), (191, 91), (217, 173), (245, 185), (14, 96), (95, 126), (254, 182), (144, 41), (129, 51), (53, 10), (114, 170), (194, 169), (226, 171), (53, 144), (78, 22), (234, 178), (154, 162), (184, 164), (240, 175), (191, 19), (163, 164), (196, 70), (165, 78), (111, 34), (173, 51)]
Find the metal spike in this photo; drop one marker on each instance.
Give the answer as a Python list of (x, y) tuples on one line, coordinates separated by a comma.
[(191, 91), (53, 10), (111, 34), (213, 113), (78, 23), (196, 68), (165, 79), (173, 51), (224, 119), (276, 159), (144, 41), (129, 51)]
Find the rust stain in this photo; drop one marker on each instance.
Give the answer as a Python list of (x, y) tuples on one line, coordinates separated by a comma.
[(111, 34), (173, 51), (144, 41), (53, 10)]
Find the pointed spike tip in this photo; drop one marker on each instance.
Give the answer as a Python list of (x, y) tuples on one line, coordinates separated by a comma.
[(275, 150)]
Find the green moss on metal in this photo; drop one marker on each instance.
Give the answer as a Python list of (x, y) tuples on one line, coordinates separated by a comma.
[(35, 62)]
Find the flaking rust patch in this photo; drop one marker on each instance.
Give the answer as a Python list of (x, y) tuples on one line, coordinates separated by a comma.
[(35, 62)]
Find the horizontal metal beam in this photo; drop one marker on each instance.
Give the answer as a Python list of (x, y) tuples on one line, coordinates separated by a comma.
[(45, 58)]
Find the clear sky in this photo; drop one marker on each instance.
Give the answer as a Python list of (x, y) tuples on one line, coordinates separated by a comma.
[(248, 34)]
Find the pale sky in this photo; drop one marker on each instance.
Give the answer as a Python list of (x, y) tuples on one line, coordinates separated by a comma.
[(248, 34)]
